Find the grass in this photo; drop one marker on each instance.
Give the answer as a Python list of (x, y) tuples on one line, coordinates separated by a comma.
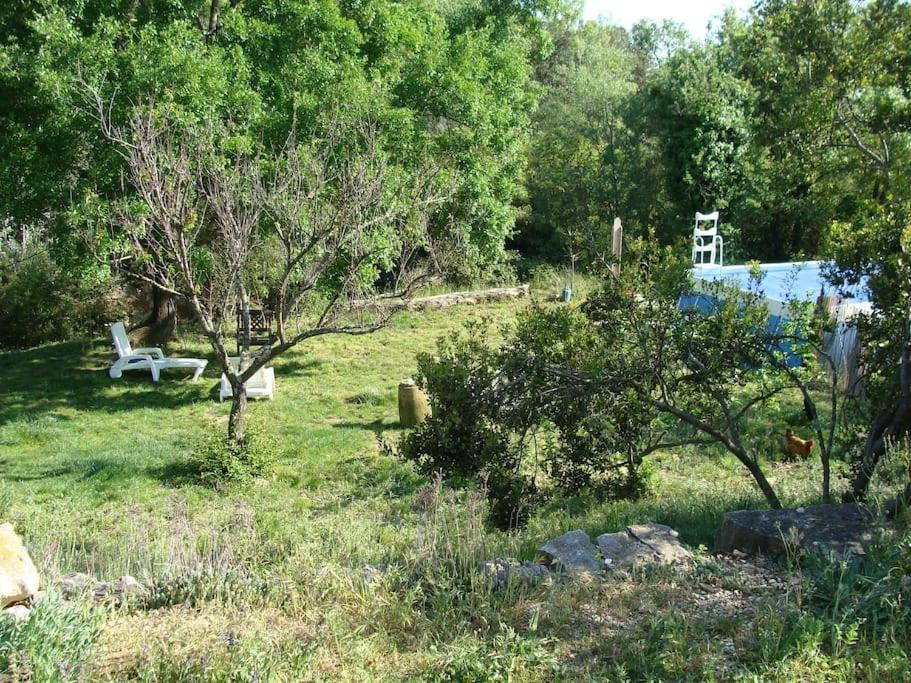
[(267, 581)]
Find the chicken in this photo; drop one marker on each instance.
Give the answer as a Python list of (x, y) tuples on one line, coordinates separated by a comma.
[(797, 446)]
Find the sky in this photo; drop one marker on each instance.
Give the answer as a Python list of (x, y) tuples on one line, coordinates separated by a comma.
[(694, 14)]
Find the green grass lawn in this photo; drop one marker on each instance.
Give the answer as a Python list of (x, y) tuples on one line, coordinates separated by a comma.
[(266, 580)]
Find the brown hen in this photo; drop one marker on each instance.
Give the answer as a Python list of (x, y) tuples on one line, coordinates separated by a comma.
[(797, 446)]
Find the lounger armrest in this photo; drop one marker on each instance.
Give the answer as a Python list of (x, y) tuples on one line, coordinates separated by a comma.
[(150, 351), (138, 356)]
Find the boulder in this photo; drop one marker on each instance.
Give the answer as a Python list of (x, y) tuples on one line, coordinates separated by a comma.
[(842, 529), (641, 544), (18, 575), (572, 553)]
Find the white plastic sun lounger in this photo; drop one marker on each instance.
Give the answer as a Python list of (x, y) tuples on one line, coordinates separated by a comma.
[(152, 359), (260, 385)]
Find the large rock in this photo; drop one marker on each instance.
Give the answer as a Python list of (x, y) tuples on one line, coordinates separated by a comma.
[(17, 612), (572, 553), (641, 544), (842, 529), (18, 575)]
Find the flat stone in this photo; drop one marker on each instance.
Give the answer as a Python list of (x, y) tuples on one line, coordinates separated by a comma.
[(641, 544), (500, 570), (662, 540), (572, 553), (842, 529), (18, 575), (620, 550), (127, 586)]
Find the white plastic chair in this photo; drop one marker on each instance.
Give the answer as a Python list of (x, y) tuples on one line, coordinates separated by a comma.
[(706, 241), (260, 385), (152, 359)]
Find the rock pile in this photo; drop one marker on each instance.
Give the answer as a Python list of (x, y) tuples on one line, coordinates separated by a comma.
[(573, 554), (77, 584)]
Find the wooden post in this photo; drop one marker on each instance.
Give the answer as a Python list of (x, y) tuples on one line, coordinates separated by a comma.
[(617, 246)]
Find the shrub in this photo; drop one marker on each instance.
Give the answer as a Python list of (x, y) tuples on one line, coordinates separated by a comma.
[(43, 302), (224, 460), (463, 439), (52, 644), (523, 412)]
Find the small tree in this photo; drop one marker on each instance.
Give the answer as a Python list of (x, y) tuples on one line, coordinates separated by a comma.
[(313, 226)]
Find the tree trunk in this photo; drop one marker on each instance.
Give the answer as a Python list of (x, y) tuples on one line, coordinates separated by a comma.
[(764, 485), (826, 479), (237, 419), (889, 424), (160, 323)]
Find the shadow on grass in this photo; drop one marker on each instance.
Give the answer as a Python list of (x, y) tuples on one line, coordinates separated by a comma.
[(376, 426), (75, 375), (298, 367), (177, 473)]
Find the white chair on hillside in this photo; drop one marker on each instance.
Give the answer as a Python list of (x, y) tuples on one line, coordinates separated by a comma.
[(707, 243), (152, 359), (260, 385)]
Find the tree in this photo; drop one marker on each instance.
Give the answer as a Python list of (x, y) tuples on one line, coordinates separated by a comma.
[(441, 83), (835, 112), (585, 395), (315, 224)]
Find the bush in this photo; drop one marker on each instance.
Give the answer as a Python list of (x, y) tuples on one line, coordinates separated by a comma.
[(222, 460), (526, 411), (43, 302), (52, 644), (463, 439)]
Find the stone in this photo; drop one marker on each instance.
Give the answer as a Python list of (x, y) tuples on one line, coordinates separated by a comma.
[(74, 583), (18, 576), (122, 589), (620, 550), (842, 529), (501, 569), (532, 573), (572, 553), (662, 540), (641, 544), (127, 586), (18, 612)]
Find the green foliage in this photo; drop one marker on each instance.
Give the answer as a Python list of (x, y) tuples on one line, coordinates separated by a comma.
[(223, 460), (42, 302), (54, 642), (463, 438), (507, 656), (441, 85), (525, 418)]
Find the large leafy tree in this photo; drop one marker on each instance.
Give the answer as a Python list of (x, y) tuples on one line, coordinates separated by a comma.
[(444, 80)]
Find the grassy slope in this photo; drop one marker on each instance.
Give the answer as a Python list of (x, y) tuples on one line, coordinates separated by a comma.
[(97, 475)]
